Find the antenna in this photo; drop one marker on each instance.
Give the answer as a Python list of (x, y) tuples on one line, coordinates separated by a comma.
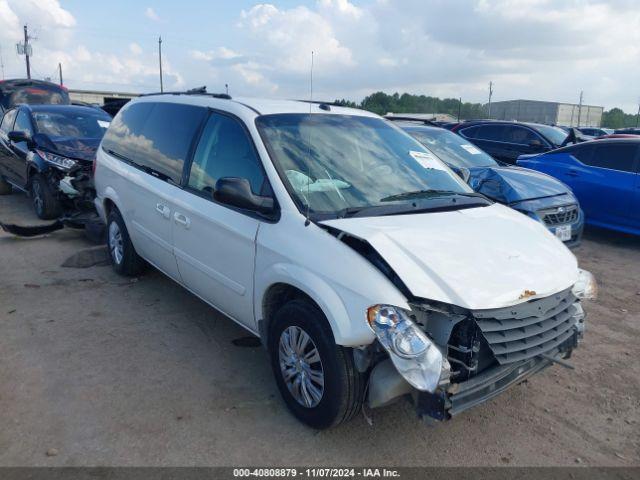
[(307, 221)]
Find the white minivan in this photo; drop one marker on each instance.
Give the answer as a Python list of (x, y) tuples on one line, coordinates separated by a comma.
[(368, 269)]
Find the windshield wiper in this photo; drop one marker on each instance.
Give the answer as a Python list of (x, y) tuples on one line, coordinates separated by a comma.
[(429, 193)]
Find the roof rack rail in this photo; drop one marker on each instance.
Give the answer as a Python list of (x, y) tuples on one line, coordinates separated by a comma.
[(193, 91), (401, 118)]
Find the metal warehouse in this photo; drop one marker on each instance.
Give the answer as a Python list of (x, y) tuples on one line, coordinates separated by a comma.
[(566, 114), (99, 96)]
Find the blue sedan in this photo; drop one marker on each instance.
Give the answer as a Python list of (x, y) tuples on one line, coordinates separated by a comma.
[(536, 195), (603, 174)]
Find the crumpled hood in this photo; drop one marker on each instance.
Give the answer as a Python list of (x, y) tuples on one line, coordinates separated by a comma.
[(476, 258), (76, 148), (514, 184)]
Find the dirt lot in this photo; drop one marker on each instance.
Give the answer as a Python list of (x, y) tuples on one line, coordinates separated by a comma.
[(109, 371)]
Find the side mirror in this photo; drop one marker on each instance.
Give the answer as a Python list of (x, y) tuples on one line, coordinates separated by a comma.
[(462, 172), (237, 193), (535, 143), (17, 136)]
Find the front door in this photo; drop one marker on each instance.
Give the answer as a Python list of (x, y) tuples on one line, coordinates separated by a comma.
[(214, 244), (6, 148)]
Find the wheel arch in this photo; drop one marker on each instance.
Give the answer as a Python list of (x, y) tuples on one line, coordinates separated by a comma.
[(287, 282)]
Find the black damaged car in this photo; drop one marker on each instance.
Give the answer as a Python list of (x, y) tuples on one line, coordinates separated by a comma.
[(48, 152)]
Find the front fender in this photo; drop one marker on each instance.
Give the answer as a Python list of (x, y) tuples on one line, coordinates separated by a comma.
[(35, 163), (348, 324)]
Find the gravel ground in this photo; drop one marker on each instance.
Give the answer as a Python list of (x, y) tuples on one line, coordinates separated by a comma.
[(100, 370)]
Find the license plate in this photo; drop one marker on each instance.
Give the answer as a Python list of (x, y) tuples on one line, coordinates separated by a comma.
[(564, 233)]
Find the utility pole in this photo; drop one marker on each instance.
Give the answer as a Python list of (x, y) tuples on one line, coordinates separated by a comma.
[(226, 87), (637, 115), (26, 51), (160, 62), (459, 107), (580, 107), (60, 73), (490, 95)]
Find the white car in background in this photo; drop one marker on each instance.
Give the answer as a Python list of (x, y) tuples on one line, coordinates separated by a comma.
[(369, 270)]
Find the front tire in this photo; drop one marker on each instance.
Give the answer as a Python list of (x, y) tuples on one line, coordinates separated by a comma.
[(124, 258), (45, 204), (317, 378)]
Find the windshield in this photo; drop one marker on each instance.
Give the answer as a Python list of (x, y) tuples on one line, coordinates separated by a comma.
[(451, 148), (555, 135), (34, 95), (337, 162), (85, 124)]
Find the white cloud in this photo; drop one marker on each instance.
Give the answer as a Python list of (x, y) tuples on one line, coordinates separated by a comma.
[(151, 14), (135, 48)]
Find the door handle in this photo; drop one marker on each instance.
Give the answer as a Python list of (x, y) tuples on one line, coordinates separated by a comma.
[(182, 219), (571, 173), (163, 210)]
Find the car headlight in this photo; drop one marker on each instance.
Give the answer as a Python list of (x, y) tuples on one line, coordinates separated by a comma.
[(413, 354), (63, 163), (586, 286)]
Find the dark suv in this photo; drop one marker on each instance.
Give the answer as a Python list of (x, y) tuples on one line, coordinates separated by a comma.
[(17, 91), (506, 141)]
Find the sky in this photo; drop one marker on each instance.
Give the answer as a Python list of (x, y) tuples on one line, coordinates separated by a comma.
[(529, 49)]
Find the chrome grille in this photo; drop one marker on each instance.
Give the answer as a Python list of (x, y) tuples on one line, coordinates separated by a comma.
[(559, 216), (530, 329)]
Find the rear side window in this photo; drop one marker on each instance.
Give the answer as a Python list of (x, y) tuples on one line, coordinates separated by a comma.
[(7, 121), (469, 132), (614, 156), (155, 136), (225, 150), (491, 132)]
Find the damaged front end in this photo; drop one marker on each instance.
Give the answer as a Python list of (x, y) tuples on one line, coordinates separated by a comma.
[(481, 353), (71, 182)]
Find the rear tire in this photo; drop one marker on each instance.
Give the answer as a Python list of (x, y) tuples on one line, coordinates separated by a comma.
[(338, 397), (45, 204), (124, 258), (5, 187)]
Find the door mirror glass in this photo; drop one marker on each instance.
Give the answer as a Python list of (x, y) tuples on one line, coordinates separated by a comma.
[(17, 136), (237, 192)]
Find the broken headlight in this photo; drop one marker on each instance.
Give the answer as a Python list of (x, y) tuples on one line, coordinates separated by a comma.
[(586, 286), (413, 354), (58, 161)]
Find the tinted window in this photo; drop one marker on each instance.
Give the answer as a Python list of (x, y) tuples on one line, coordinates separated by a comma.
[(157, 136), (23, 123), (614, 156), (225, 150), (582, 152), (7, 121), (469, 132), (491, 132), (520, 135)]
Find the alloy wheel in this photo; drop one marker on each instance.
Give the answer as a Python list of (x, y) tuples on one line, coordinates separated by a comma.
[(116, 246), (301, 366)]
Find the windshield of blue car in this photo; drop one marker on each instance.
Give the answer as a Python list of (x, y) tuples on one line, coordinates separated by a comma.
[(555, 135), (87, 124), (344, 163), (451, 148)]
